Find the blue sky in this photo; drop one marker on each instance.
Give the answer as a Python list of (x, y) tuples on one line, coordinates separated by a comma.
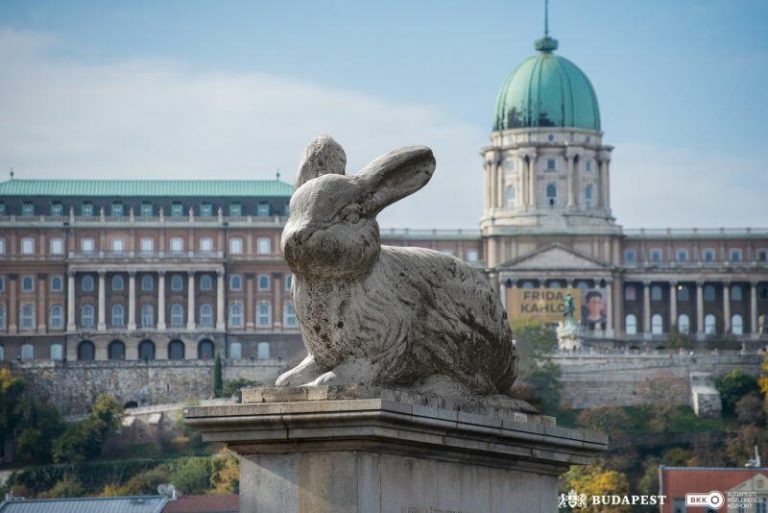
[(235, 88)]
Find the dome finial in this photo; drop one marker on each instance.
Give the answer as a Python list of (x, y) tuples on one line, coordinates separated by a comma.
[(546, 44)]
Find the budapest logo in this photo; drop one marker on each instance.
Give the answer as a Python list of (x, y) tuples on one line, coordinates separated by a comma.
[(573, 500), (713, 500)]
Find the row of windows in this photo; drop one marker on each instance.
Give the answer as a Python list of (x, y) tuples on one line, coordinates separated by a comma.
[(118, 209), (684, 324), (551, 192), (682, 255), (147, 317), (263, 281), (684, 293), (511, 164), (86, 351)]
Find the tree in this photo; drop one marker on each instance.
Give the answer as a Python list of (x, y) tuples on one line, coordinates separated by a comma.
[(612, 420), (84, 440), (732, 387), (12, 388), (596, 480), (539, 376), (193, 476), (662, 394), (749, 409), (740, 446), (218, 383)]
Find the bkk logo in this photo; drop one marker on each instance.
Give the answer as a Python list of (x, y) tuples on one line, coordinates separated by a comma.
[(575, 500), (713, 500)]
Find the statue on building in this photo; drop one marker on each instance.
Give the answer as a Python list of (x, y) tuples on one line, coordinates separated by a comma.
[(379, 315), (568, 333)]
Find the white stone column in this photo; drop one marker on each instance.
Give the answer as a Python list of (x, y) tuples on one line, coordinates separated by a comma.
[(191, 301), (609, 307), (700, 307), (504, 291), (102, 302), (523, 183), (161, 301), (499, 184), (487, 182), (672, 306), (726, 307), (753, 308), (571, 181), (647, 307), (220, 300), (71, 324), (532, 181), (606, 183), (131, 300), (42, 303)]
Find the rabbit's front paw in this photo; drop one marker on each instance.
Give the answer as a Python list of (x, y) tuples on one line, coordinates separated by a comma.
[(303, 373)]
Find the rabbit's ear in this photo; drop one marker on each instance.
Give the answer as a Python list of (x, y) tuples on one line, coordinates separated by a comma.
[(321, 157), (396, 175)]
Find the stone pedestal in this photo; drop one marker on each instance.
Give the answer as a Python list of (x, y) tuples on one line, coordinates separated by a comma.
[(569, 336), (372, 450)]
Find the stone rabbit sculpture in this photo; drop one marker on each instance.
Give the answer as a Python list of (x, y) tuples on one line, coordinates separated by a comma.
[(382, 315)]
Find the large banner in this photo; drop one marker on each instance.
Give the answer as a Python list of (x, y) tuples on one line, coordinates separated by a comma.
[(548, 306)]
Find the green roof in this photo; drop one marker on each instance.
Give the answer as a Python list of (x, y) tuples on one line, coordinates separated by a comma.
[(145, 188), (547, 91)]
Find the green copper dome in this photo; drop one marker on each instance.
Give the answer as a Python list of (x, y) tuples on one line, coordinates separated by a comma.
[(547, 90)]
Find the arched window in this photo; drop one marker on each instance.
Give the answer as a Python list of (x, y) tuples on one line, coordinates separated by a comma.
[(2, 317), (709, 293), (176, 350), (737, 293), (27, 284), (206, 283), (57, 352), (264, 246), (118, 317), (147, 283), (27, 316), (235, 282), (528, 285), (177, 315), (177, 283), (710, 324), (117, 282), (57, 284), (27, 352), (235, 350), (683, 293), (205, 350), (116, 350), (262, 351), (588, 196), (630, 293), (264, 315), (511, 196), (551, 194), (289, 315), (147, 315), (737, 324), (57, 317), (684, 324), (656, 293), (86, 284), (263, 282), (236, 315), (657, 324), (86, 351), (206, 315), (146, 350), (630, 322), (86, 316)]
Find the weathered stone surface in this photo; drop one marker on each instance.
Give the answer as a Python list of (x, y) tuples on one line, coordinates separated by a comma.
[(366, 449), (381, 315)]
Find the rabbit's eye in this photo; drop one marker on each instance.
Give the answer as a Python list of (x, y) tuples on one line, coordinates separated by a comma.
[(351, 217)]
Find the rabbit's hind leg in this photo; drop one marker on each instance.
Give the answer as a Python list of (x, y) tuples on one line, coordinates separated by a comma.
[(355, 371), (302, 374)]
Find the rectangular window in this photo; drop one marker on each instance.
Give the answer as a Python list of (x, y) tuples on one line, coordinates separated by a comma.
[(2, 209), (551, 165), (87, 245), (147, 210), (288, 278), (2, 284), (473, 255), (117, 209), (630, 257), (206, 244), (682, 255), (206, 210), (57, 209), (655, 255), (762, 255), (177, 209), (57, 246), (263, 210), (235, 210), (264, 246), (177, 245), (118, 245), (735, 255), (708, 255), (86, 209), (2, 246), (27, 209), (236, 246), (27, 246), (147, 245), (588, 165)]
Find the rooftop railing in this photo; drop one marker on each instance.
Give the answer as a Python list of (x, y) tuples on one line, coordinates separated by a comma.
[(696, 232)]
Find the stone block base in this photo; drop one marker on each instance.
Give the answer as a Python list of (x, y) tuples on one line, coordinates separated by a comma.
[(363, 450)]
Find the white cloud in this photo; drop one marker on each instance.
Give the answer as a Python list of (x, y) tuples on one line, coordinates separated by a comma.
[(157, 119), (661, 187)]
